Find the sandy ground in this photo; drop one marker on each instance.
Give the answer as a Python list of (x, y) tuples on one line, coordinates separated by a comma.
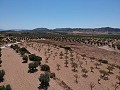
[(16, 73), (109, 49)]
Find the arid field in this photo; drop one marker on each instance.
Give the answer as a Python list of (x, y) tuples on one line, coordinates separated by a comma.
[(76, 69)]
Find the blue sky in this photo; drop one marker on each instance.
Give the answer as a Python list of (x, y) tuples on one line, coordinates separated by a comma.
[(29, 14)]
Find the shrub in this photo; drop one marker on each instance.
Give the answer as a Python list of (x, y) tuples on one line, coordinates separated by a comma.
[(25, 59), (44, 79), (24, 50), (33, 57)]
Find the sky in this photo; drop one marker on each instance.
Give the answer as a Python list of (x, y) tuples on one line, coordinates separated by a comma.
[(30, 14)]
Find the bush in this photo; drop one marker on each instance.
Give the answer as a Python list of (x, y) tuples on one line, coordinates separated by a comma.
[(45, 67), (24, 50), (25, 59), (44, 79), (33, 57)]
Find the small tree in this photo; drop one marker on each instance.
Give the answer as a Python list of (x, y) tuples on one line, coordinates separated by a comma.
[(72, 60), (85, 71), (80, 63), (76, 78), (118, 77), (44, 79), (104, 73), (110, 68), (45, 67), (83, 55), (91, 68), (66, 63), (74, 66), (92, 58), (25, 58), (96, 64), (46, 60), (32, 67), (92, 85), (58, 67), (115, 86)]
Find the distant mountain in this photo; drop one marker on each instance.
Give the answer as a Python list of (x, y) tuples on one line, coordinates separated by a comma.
[(106, 30)]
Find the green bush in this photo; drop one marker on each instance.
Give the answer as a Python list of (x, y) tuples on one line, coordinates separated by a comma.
[(45, 67), (25, 58), (24, 50), (33, 57)]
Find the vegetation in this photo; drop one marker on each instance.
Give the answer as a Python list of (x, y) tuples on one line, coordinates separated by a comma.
[(33, 57), (32, 67), (2, 73), (85, 71), (25, 58), (92, 85), (7, 87), (45, 67), (74, 66), (44, 79), (76, 78)]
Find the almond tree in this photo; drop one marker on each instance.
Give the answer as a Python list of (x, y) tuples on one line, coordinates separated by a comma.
[(85, 71), (92, 85), (66, 63), (61, 55), (118, 77), (83, 55), (110, 68), (80, 63), (96, 64), (91, 68), (103, 73), (58, 67), (46, 60), (115, 86), (76, 78), (74, 66)]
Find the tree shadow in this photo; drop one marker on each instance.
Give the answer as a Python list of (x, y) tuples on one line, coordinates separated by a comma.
[(32, 70), (43, 86), (1, 80)]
